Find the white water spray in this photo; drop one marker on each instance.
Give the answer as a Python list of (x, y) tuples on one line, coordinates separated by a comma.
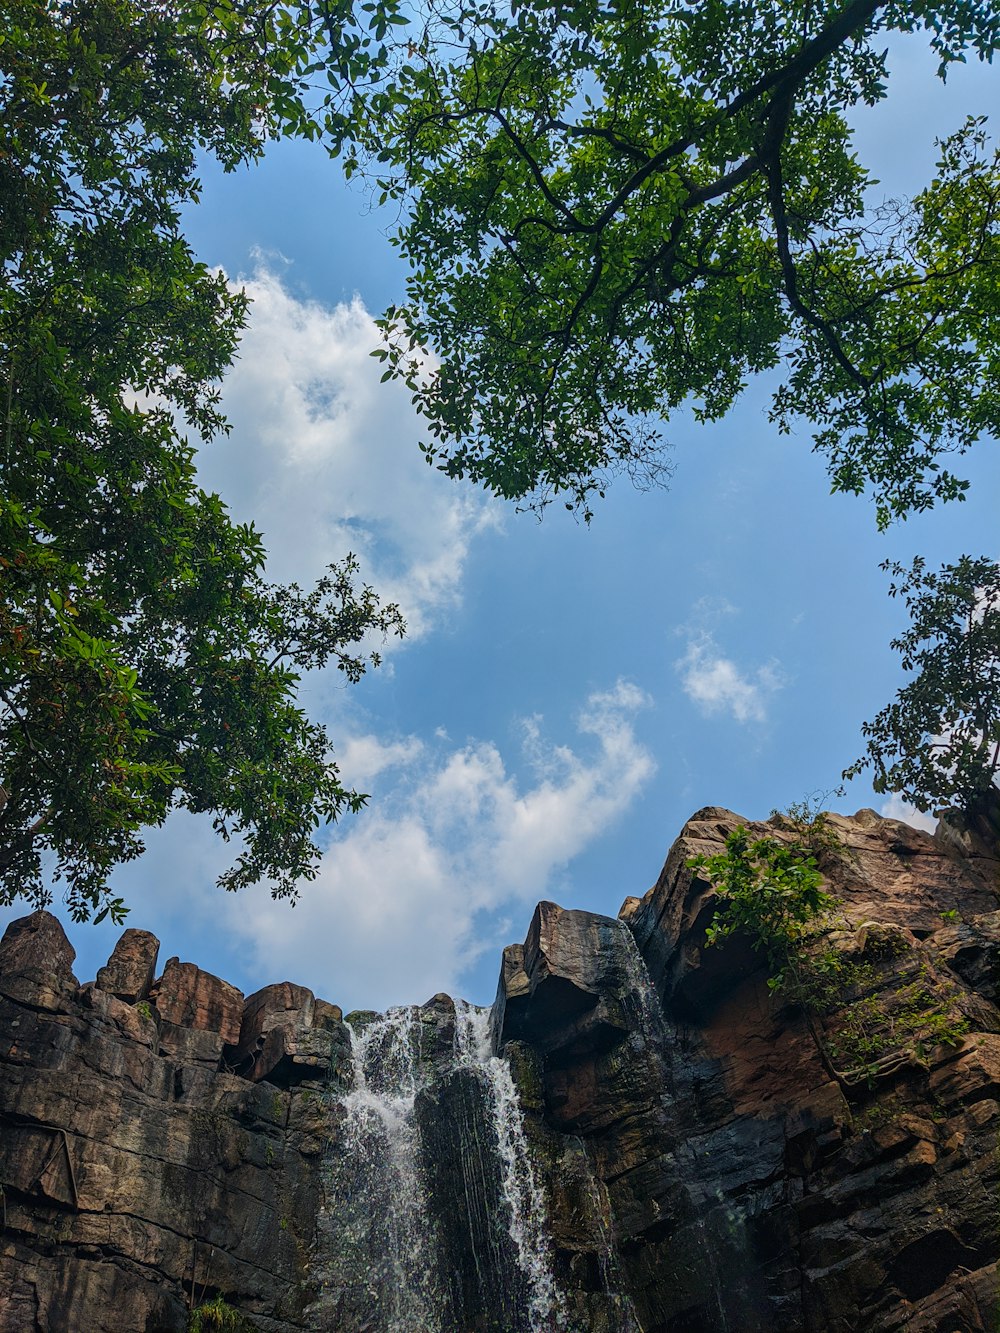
[(381, 1134), (521, 1192), (389, 1208)]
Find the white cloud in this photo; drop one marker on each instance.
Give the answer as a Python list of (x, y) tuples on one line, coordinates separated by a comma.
[(896, 808), (362, 758), (400, 905), (444, 866), (718, 685), (323, 457)]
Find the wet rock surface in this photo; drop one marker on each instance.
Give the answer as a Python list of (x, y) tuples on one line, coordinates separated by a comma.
[(747, 1179), (140, 1177), (685, 1152)]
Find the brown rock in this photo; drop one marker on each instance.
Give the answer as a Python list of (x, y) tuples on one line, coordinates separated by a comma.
[(130, 1175), (188, 997), (705, 1162), (36, 961), (514, 983), (882, 870), (130, 970), (191, 1046), (287, 1035), (566, 983), (136, 1023)]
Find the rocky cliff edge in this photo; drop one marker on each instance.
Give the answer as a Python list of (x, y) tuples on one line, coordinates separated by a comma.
[(711, 1156)]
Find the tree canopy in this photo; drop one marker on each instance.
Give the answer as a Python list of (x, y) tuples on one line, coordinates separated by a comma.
[(145, 661), (610, 211), (938, 743)]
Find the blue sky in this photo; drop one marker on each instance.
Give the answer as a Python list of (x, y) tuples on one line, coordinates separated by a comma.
[(567, 696)]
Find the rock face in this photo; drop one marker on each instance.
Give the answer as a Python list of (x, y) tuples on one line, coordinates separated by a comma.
[(747, 1181), (688, 1153), (129, 972), (139, 1176)]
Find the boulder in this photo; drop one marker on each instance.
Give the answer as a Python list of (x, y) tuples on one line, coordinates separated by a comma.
[(564, 987), (190, 998), (286, 1036), (36, 962), (129, 972)]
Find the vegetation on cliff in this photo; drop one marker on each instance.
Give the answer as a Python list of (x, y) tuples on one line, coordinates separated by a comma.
[(872, 999)]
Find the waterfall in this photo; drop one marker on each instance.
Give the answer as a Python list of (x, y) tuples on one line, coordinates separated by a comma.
[(652, 1024), (433, 1217), (380, 1138), (522, 1194)]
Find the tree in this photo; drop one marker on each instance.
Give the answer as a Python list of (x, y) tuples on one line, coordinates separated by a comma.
[(613, 210), (772, 893), (939, 742), (145, 662)]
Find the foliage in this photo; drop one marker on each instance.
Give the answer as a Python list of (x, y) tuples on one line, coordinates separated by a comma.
[(216, 1316), (145, 662), (867, 1010), (807, 820), (771, 892), (609, 212), (877, 1027), (939, 742)]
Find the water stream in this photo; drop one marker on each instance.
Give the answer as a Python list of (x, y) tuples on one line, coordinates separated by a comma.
[(522, 1196), (381, 1140), (434, 1219)]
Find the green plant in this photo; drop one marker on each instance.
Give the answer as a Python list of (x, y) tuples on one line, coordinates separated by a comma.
[(809, 822), (882, 942), (145, 1010), (865, 1015), (876, 1115), (879, 1030), (146, 664), (218, 1316), (938, 744), (611, 212), (772, 893)]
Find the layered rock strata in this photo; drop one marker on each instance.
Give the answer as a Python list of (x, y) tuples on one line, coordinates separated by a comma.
[(140, 1176), (710, 1156), (743, 1179)]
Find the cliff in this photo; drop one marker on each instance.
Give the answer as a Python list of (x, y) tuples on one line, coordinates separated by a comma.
[(665, 1143), (746, 1188)]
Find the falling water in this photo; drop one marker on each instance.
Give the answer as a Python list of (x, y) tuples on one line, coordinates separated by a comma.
[(643, 992), (433, 1219), (381, 1138), (522, 1195)]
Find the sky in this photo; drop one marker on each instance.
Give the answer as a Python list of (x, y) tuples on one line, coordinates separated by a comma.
[(567, 695)]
